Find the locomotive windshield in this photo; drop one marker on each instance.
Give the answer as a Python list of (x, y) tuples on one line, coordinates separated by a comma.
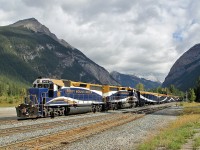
[(41, 83)]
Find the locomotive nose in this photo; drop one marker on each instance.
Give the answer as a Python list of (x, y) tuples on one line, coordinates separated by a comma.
[(26, 111)]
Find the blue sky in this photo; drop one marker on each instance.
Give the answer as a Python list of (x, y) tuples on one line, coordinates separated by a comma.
[(133, 37)]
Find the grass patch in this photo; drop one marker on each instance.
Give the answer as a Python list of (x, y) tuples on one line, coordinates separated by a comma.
[(191, 108), (10, 101), (177, 133), (185, 104), (196, 143)]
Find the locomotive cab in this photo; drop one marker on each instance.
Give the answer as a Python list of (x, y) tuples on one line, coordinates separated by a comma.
[(47, 88), (33, 106), (44, 84)]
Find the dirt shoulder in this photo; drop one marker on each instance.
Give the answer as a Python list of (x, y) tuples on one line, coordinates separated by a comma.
[(7, 112)]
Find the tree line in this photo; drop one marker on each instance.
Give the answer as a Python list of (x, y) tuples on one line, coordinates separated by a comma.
[(193, 94), (171, 90), (11, 88)]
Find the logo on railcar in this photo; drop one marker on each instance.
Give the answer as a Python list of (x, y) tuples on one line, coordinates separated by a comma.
[(77, 91)]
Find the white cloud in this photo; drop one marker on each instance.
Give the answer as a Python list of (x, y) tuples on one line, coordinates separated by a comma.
[(140, 37)]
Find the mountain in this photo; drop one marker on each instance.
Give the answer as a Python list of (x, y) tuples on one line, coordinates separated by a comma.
[(186, 70), (149, 76), (132, 80), (28, 49), (34, 25)]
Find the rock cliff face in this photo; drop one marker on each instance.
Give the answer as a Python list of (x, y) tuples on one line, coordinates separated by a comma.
[(40, 53), (132, 81), (186, 70)]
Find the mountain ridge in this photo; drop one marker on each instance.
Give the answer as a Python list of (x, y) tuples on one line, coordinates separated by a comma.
[(41, 53), (185, 70), (34, 25), (132, 80)]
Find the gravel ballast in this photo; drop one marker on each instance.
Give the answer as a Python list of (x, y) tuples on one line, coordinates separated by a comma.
[(123, 137), (129, 135), (35, 133)]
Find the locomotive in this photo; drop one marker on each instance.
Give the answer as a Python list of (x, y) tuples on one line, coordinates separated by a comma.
[(52, 97)]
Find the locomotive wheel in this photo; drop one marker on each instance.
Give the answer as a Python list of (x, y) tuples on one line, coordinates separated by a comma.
[(44, 114), (52, 114), (113, 106), (120, 105), (94, 109), (105, 107), (131, 105), (116, 106), (99, 108)]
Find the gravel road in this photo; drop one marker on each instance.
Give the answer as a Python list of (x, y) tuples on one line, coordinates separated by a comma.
[(127, 136), (7, 113)]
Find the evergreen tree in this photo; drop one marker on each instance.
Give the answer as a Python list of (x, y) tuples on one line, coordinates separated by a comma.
[(140, 87), (10, 87), (1, 89), (191, 95), (197, 90), (9, 92), (172, 89)]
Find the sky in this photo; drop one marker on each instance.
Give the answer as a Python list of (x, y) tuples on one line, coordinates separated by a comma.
[(142, 37)]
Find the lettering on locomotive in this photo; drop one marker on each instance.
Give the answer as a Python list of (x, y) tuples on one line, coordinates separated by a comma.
[(78, 91), (69, 91)]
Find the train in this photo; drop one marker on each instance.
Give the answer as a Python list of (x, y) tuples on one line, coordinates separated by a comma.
[(59, 97)]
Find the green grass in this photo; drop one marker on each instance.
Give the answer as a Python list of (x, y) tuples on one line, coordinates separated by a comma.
[(177, 133), (11, 101), (196, 143)]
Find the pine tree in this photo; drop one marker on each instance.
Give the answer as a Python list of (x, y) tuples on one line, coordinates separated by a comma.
[(1, 89), (172, 89), (197, 90), (140, 87), (191, 95)]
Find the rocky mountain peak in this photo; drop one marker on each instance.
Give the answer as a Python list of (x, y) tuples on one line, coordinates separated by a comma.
[(34, 25)]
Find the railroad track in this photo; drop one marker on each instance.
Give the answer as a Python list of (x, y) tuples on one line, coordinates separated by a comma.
[(4, 122), (49, 125), (145, 110), (65, 137)]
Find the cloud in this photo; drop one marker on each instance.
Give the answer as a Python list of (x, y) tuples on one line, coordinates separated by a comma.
[(139, 37)]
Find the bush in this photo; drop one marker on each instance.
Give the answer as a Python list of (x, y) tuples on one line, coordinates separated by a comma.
[(10, 101)]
